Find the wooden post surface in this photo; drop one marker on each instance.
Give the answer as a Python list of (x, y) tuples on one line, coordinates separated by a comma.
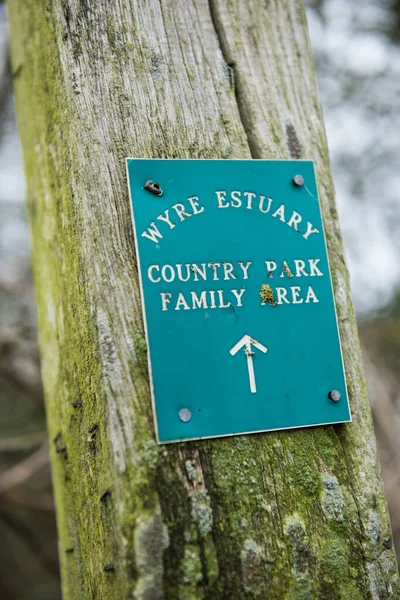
[(296, 514)]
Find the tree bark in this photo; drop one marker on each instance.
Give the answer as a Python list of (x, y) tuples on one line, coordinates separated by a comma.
[(296, 514)]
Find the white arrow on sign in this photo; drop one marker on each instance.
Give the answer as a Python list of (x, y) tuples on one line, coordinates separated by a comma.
[(247, 342)]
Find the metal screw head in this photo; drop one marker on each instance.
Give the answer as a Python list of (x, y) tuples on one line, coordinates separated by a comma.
[(185, 415), (334, 395), (298, 180), (153, 187)]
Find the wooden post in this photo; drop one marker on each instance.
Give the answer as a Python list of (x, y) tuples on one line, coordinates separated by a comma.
[(296, 514)]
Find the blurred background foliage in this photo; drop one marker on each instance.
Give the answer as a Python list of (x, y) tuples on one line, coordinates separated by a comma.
[(357, 51)]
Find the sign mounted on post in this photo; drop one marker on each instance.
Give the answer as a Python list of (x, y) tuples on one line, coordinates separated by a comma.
[(237, 297)]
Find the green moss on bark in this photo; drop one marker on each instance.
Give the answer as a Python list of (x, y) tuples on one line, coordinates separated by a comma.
[(273, 515)]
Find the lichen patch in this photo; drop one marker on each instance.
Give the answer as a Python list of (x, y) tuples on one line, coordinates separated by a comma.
[(267, 295), (332, 498), (251, 557), (151, 539)]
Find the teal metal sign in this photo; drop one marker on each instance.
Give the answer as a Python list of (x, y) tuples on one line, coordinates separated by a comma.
[(237, 297)]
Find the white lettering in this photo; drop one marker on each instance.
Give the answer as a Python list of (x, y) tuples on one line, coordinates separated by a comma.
[(294, 220), (285, 269), (179, 269), (310, 230), (271, 266), (235, 195), (166, 219), (165, 299), (314, 271), (295, 295), (238, 295), (212, 298), (245, 269), (221, 300), (149, 273), (270, 201), (228, 270), (180, 211), (300, 265), (214, 266), (182, 302), (221, 196), (171, 273), (195, 205), (281, 212), (282, 293), (152, 234), (250, 196), (197, 271), (311, 295), (199, 302)]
